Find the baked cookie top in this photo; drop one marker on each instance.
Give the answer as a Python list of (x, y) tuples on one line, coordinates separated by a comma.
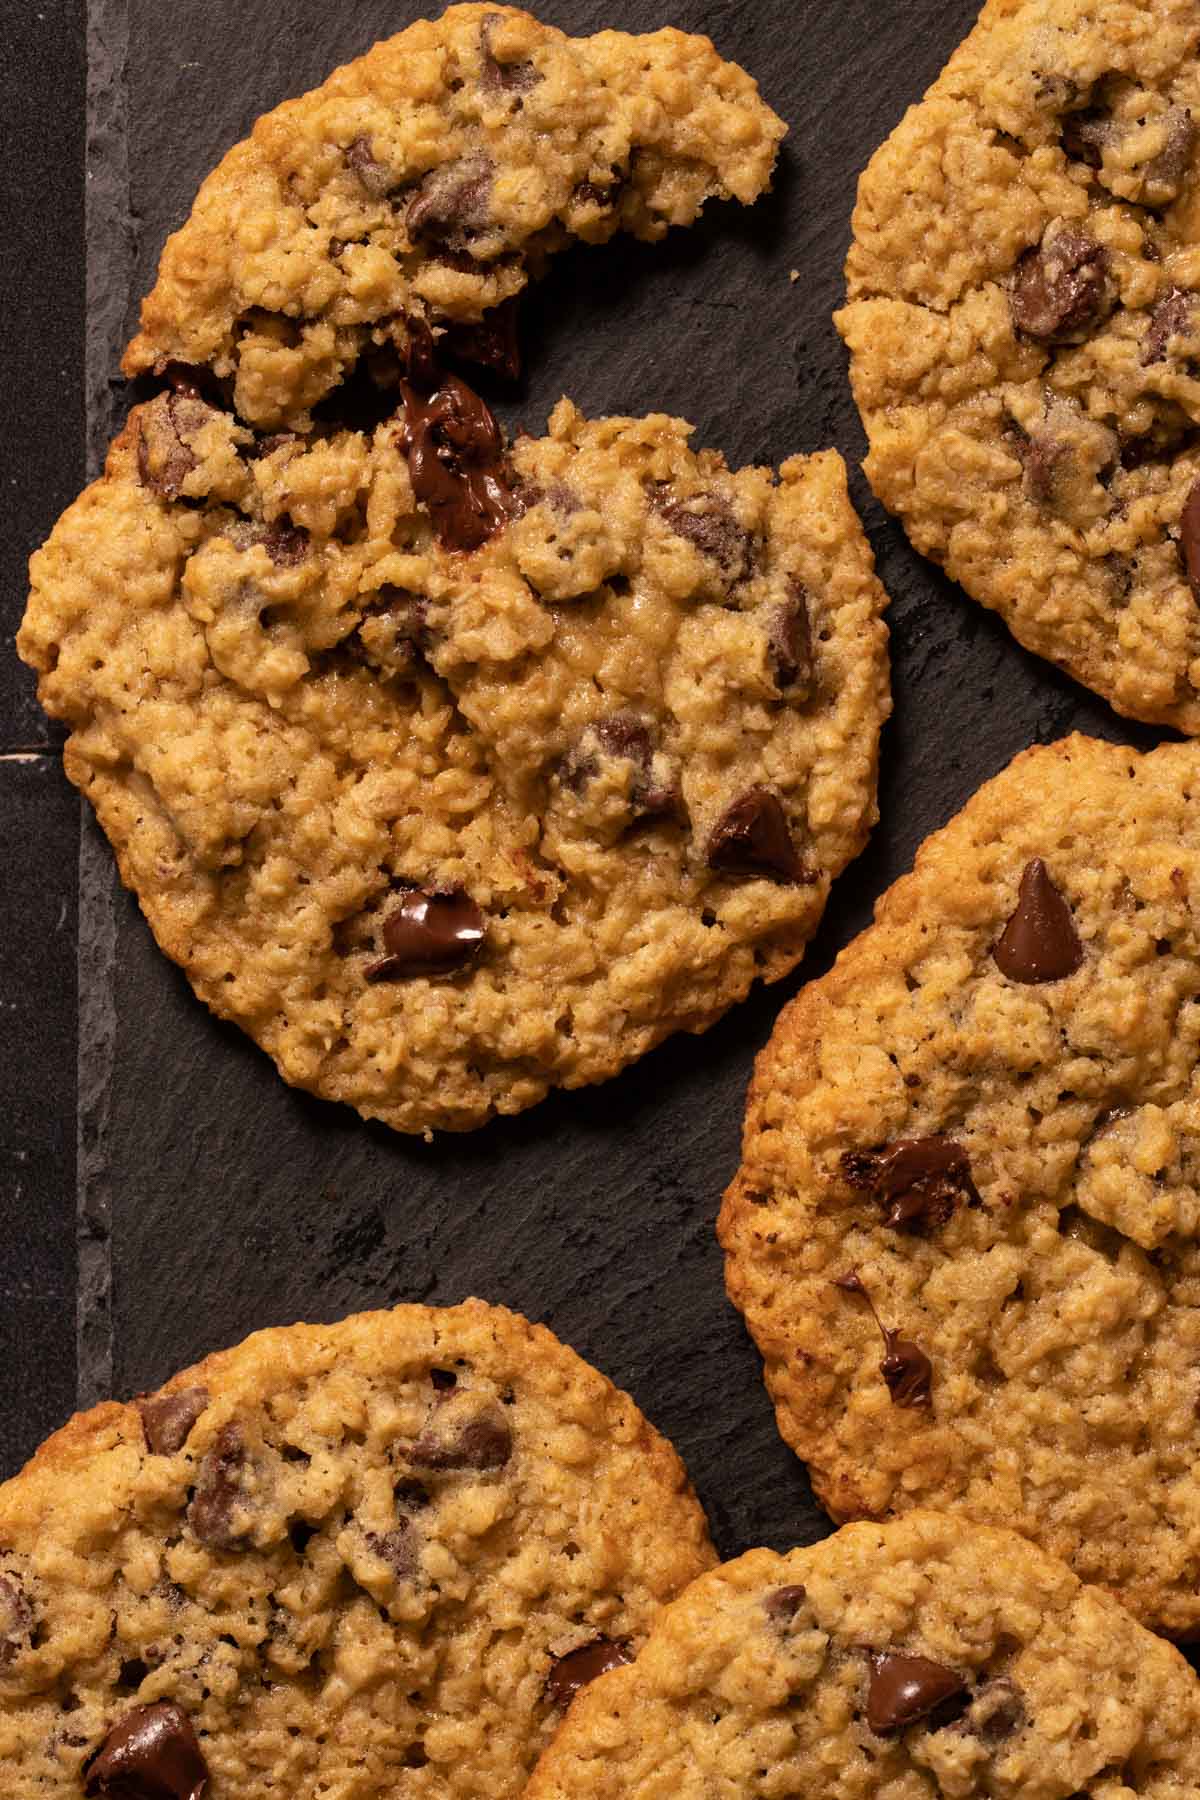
[(964, 1231), (359, 1560), (918, 1658), (428, 180), (1023, 320), (450, 773)]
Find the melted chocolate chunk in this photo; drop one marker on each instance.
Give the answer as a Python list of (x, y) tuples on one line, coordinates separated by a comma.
[(455, 457), (484, 1442), (452, 203), (715, 532), (919, 1181), (1164, 175), (782, 1604), (789, 640), (16, 1619), (1062, 289), (752, 838), (374, 177), (151, 1754), (430, 934), (997, 1711), (903, 1689), (1174, 316), (218, 1489), (906, 1369), (492, 343), (510, 78), (397, 1549), (164, 457), (624, 735), (1189, 539), (167, 1419), (578, 1667), (1040, 942)]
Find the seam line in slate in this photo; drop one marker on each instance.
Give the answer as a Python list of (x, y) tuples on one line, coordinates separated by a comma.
[(109, 251)]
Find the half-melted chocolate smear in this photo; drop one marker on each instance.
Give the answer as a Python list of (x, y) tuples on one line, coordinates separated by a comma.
[(1040, 942), (578, 1667), (430, 933), (151, 1754), (455, 452), (918, 1181), (904, 1689), (905, 1367)]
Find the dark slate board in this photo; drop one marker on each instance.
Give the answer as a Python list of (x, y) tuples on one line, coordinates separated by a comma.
[(233, 1202)]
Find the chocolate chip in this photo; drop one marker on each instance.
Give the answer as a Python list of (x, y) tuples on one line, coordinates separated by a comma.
[(267, 446), (789, 640), (430, 933), (482, 1442), (451, 203), (653, 792), (1174, 316), (1084, 135), (752, 838), (167, 1419), (286, 545), (714, 531), (151, 1754), (919, 1181), (492, 343), (590, 193), (906, 1369), (783, 1603), (1040, 942), (397, 1549), (903, 1689), (1189, 538), (578, 1667), (16, 1619), (510, 78), (218, 1489), (373, 175), (1163, 176), (165, 458), (393, 634), (1062, 289), (997, 1711), (456, 463)]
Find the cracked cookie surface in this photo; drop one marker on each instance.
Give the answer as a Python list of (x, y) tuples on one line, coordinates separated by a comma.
[(1023, 319), (361, 1559), (917, 1658), (428, 180), (983, 1128), (439, 827)]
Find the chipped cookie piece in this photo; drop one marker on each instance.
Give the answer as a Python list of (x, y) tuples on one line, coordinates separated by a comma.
[(1020, 314), (924, 1657), (984, 1124), (452, 770), (425, 183), (376, 1557)]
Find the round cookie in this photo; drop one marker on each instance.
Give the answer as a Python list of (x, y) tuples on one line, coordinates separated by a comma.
[(361, 1559), (427, 181), (453, 774), (917, 1658), (1023, 318), (964, 1231)]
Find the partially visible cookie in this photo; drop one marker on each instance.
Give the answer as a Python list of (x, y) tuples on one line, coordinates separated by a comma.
[(454, 773), (1023, 317), (427, 181), (919, 1658), (965, 1229), (361, 1559)]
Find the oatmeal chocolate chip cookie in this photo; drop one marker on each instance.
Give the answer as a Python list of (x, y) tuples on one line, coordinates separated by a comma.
[(966, 1229), (370, 1559), (453, 772), (430, 179), (919, 1658), (1023, 320)]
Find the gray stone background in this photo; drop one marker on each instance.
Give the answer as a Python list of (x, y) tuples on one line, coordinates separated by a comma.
[(161, 1192)]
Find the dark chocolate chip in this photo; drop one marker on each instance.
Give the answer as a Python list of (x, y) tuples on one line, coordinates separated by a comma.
[(451, 203), (1040, 942), (1189, 538), (1174, 316), (218, 1489), (714, 531), (397, 1549), (373, 175), (919, 1181), (286, 545), (997, 1711), (510, 78), (16, 1619), (492, 343), (752, 838), (789, 640), (623, 735), (1166, 171), (1062, 289), (167, 1419), (456, 461), (783, 1603), (591, 193), (150, 1754), (906, 1369), (484, 1442), (578, 1667), (164, 458), (430, 934), (903, 1689)]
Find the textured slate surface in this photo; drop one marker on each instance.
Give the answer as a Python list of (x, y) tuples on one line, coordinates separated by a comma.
[(234, 1202)]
